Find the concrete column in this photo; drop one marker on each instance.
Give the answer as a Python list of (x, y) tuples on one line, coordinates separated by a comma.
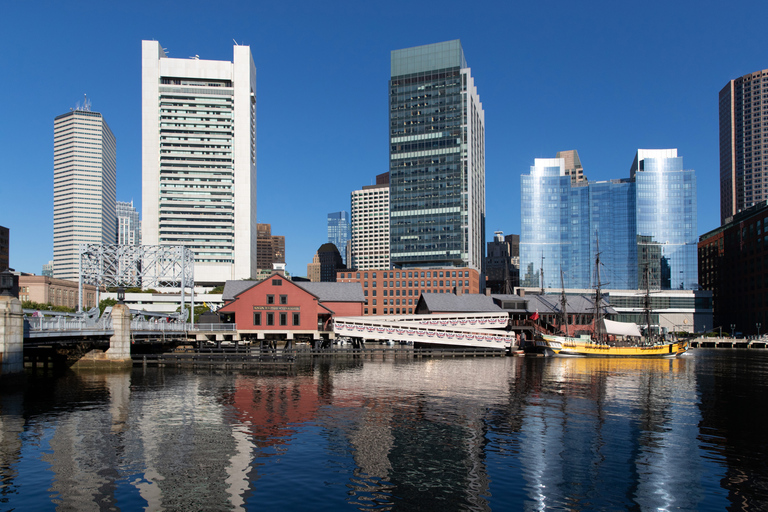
[(120, 342), (11, 336), (118, 355)]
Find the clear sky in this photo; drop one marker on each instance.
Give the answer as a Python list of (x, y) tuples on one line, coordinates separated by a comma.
[(605, 78)]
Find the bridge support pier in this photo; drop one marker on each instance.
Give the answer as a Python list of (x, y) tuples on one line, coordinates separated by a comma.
[(119, 353), (11, 336)]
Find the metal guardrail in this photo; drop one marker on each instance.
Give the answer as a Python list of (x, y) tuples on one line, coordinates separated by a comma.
[(71, 323)]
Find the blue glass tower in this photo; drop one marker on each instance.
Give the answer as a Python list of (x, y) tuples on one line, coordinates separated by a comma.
[(646, 221), (666, 219), (339, 232)]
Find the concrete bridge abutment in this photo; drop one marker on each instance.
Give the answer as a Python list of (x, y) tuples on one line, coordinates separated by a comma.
[(11, 335)]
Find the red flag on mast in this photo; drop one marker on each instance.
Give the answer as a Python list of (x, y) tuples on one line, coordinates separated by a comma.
[(535, 316)]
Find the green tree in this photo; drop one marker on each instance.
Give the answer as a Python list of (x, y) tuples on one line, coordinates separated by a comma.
[(104, 304), (28, 304), (199, 310)]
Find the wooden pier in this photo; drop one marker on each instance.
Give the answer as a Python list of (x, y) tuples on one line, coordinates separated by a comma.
[(729, 343)]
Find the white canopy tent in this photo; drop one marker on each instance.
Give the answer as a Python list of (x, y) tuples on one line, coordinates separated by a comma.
[(621, 328)]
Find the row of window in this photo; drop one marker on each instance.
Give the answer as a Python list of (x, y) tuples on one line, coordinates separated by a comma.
[(390, 311), (396, 275), (282, 318)]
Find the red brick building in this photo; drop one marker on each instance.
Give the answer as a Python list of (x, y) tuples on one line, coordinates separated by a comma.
[(278, 308), (733, 264), (397, 292)]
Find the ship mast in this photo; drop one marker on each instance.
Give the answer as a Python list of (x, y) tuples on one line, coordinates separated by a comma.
[(596, 328), (563, 304), (647, 304)]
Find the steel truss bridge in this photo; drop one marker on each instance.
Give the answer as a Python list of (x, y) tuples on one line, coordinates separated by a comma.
[(144, 266), (480, 330)]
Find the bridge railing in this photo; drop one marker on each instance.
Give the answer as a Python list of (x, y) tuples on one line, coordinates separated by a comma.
[(214, 327), (57, 323)]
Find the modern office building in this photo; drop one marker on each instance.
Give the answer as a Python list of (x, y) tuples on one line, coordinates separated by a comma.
[(370, 227), (270, 248), (501, 270), (325, 264), (47, 269), (732, 266), (199, 160), (436, 159), (644, 223), (743, 177), (5, 248), (128, 224), (339, 232), (84, 181)]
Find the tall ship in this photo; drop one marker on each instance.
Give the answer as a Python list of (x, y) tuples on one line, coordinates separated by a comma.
[(613, 339)]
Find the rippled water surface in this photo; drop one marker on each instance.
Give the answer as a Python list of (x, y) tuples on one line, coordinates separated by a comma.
[(394, 434)]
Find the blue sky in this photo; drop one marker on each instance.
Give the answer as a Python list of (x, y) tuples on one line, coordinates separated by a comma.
[(605, 78)]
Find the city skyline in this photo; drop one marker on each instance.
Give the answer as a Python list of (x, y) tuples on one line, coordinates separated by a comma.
[(578, 87)]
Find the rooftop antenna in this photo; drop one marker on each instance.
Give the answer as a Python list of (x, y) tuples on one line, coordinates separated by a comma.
[(86, 106), (233, 40), (195, 57)]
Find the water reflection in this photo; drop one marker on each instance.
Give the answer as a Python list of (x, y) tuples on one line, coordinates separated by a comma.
[(469, 434)]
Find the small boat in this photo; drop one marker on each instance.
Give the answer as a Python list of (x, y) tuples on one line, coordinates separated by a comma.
[(614, 339)]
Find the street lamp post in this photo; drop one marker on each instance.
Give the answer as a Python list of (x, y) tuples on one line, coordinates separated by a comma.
[(733, 330), (758, 324)]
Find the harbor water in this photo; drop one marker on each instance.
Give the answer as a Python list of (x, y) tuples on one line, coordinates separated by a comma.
[(386, 433)]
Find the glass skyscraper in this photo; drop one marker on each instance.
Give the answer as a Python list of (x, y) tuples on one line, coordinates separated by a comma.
[(339, 232), (646, 221), (436, 159)]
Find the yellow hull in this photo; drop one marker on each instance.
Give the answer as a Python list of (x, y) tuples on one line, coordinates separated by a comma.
[(575, 347)]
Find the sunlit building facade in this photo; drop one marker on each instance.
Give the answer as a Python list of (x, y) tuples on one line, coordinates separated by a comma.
[(642, 226), (743, 140), (437, 159), (199, 160), (370, 227), (128, 224), (84, 187)]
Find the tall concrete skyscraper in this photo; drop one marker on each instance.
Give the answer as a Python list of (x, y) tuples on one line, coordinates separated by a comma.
[(199, 159), (370, 227), (436, 159), (84, 176), (339, 232), (743, 138)]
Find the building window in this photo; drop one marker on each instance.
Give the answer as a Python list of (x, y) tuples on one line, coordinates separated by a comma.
[(365, 311), (277, 282), (374, 293), (283, 318), (257, 319), (296, 319), (270, 319), (283, 299), (270, 299), (374, 311)]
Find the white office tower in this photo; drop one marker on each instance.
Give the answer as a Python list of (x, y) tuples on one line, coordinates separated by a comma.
[(84, 174), (370, 228), (128, 224), (199, 160)]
